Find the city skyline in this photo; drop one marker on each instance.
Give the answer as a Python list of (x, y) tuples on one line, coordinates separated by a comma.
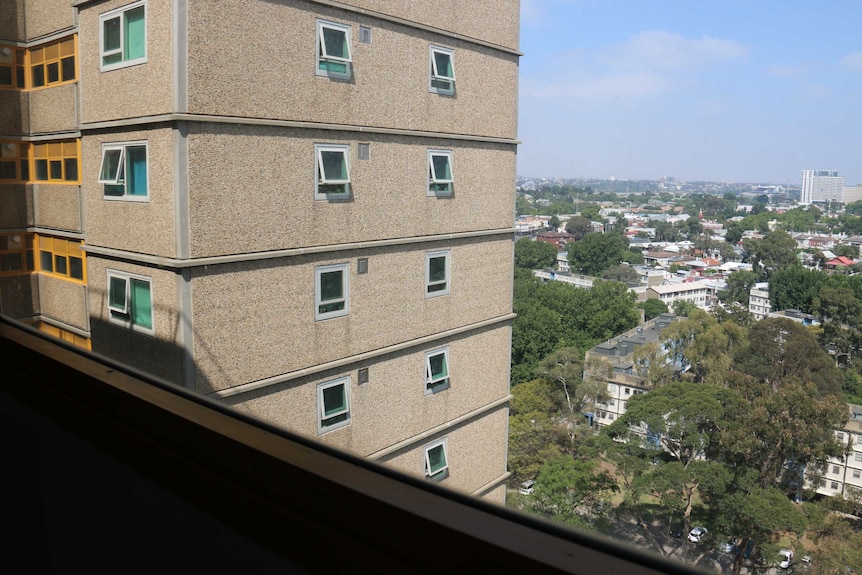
[(713, 91)]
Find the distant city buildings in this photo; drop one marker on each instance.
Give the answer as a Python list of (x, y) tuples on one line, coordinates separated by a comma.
[(821, 186)]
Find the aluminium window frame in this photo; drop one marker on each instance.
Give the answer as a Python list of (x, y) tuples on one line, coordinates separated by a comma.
[(320, 54), (320, 176), (322, 427), (447, 282), (119, 13), (442, 473), (127, 309), (434, 74), (318, 284), (433, 385), (433, 179), (116, 180)]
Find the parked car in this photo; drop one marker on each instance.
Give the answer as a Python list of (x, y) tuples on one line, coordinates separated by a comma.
[(526, 487), (696, 534), (729, 547), (786, 556)]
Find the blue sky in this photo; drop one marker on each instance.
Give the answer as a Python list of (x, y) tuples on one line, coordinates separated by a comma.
[(724, 90)]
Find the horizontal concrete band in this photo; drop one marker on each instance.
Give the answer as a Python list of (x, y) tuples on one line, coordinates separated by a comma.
[(175, 263), (42, 137), (207, 118), (50, 37), (492, 484), (55, 232), (440, 428), (368, 355), (62, 325), (388, 18)]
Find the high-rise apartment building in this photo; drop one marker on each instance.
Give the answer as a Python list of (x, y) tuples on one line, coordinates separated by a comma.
[(821, 186), (303, 208)]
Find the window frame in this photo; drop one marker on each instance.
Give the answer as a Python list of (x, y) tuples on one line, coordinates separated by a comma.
[(23, 251), (50, 157), (320, 176), (120, 13), (45, 61), (322, 427), (434, 180), (345, 287), (17, 65), (57, 248), (21, 157), (120, 169), (447, 282), (434, 74), (128, 309), (441, 473), (321, 56), (433, 385)]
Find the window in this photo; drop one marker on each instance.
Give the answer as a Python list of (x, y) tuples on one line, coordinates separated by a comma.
[(839, 436), (62, 257), (436, 370), (14, 161), (331, 172), (124, 171), (834, 485), (436, 462), (442, 80), (856, 474), (627, 391), (857, 456), (56, 161), (331, 291), (123, 36), (333, 50), (12, 67), (16, 254), (53, 64), (333, 404), (130, 301), (436, 274), (440, 181), (365, 34), (835, 469)]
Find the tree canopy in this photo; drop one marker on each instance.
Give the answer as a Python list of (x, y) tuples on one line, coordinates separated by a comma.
[(596, 252)]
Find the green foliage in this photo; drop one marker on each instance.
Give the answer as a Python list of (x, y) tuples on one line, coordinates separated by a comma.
[(578, 227), (565, 484), (683, 307), (591, 211), (776, 251), (534, 432), (533, 255), (621, 273), (653, 308), (596, 253), (739, 285)]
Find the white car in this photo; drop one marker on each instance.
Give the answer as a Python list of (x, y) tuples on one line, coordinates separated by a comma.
[(526, 488), (696, 534), (786, 557)]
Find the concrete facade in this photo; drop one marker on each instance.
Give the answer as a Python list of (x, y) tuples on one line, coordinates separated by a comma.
[(183, 174)]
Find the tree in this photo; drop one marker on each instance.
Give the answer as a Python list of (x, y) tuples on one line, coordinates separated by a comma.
[(683, 307), (777, 251), (554, 222), (739, 285), (840, 315), (621, 273), (591, 211), (578, 227), (532, 255), (839, 546), (847, 250), (795, 287), (534, 432), (596, 253), (653, 308), (565, 484)]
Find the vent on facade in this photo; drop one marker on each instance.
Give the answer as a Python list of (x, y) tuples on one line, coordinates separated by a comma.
[(364, 151), (362, 266), (362, 376), (365, 35)]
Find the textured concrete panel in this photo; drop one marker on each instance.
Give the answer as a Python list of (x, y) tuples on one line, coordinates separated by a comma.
[(64, 301), (19, 296), (269, 307), (58, 207), (495, 21), (389, 87), (12, 22), (14, 112), (53, 109), (139, 90), (476, 452), (157, 354), (393, 406), (17, 202), (47, 16), (252, 189), (144, 227)]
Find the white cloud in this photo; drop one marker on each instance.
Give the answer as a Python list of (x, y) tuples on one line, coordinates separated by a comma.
[(852, 62), (660, 50), (614, 86)]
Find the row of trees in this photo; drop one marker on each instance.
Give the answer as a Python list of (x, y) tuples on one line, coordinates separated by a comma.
[(726, 443)]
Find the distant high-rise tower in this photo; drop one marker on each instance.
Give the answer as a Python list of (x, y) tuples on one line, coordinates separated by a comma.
[(820, 186)]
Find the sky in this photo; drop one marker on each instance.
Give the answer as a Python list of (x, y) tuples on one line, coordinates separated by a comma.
[(722, 90)]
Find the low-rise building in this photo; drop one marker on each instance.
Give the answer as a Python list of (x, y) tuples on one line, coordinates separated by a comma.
[(758, 300), (696, 292), (842, 476)]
